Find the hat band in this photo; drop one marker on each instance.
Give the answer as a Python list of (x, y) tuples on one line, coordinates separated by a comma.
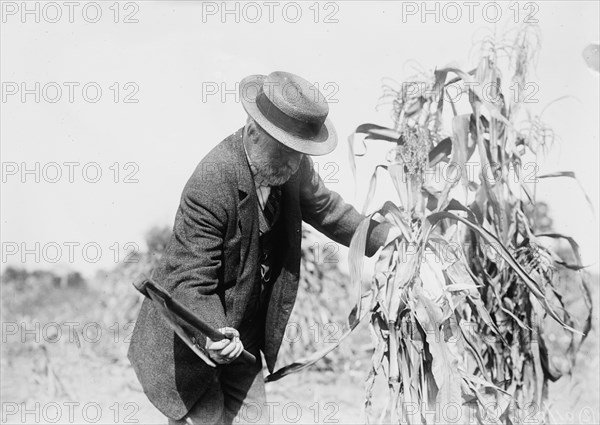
[(305, 130)]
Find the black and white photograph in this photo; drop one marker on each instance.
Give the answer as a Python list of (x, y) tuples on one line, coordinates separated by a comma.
[(299, 212)]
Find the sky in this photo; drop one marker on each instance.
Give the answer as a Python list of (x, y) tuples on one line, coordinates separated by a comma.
[(150, 98)]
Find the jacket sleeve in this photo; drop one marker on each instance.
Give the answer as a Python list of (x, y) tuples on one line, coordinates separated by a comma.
[(327, 212), (194, 257)]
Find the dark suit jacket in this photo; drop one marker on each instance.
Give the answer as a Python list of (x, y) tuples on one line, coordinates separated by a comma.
[(211, 262)]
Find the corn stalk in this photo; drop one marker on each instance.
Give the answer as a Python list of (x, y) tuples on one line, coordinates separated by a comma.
[(461, 298)]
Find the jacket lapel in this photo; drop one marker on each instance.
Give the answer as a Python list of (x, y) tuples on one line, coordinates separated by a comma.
[(247, 198)]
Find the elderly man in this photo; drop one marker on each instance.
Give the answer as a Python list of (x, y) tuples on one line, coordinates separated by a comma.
[(234, 256)]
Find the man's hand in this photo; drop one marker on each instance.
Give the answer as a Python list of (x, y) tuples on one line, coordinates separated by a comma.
[(226, 350)]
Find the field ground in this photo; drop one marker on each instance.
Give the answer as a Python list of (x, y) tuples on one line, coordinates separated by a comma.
[(63, 379)]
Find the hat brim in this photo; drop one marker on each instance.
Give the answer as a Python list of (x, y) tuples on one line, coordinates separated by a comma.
[(323, 143)]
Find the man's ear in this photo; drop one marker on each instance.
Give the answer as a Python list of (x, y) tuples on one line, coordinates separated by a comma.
[(252, 131)]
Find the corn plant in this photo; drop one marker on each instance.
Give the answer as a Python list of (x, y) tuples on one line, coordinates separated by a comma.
[(461, 300)]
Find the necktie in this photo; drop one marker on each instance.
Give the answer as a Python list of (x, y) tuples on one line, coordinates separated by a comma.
[(269, 214), (271, 209)]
